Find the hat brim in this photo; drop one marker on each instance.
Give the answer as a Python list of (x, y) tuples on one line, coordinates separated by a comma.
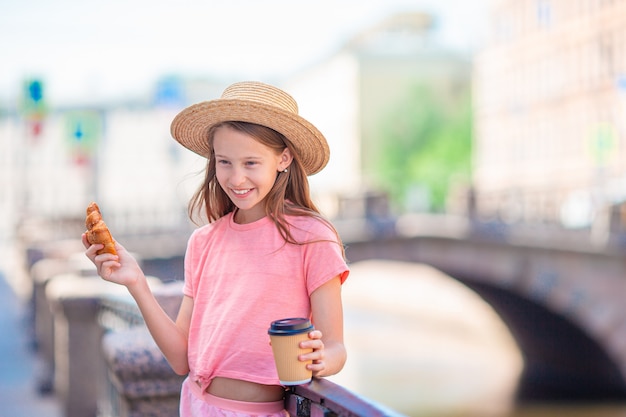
[(191, 128)]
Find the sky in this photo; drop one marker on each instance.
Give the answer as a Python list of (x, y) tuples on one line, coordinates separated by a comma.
[(94, 49)]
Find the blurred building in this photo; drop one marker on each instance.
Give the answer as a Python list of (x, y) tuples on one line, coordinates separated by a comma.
[(550, 101), (355, 91), (122, 155)]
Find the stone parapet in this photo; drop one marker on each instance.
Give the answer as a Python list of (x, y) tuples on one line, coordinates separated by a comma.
[(41, 273), (79, 368), (140, 381), (324, 398)]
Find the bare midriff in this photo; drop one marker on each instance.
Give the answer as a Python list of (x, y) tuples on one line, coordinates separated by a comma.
[(236, 389)]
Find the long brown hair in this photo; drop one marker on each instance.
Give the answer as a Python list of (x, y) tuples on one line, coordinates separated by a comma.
[(290, 194)]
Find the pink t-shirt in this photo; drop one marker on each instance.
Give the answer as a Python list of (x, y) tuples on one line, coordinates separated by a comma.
[(244, 276)]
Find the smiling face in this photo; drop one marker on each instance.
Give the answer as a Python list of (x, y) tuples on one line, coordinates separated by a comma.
[(246, 170)]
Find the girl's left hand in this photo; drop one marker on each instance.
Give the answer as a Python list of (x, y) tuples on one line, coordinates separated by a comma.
[(316, 357)]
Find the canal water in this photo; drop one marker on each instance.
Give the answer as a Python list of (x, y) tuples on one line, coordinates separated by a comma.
[(423, 344)]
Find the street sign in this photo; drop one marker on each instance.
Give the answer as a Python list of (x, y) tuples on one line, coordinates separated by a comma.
[(33, 105), (83, 132), (604, 138)]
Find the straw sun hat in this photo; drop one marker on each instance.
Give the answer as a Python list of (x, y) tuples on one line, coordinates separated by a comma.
[(253, 102)]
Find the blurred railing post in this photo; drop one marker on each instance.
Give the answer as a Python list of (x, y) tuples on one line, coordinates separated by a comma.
[(42, 273), (140, 382), (78, 368)]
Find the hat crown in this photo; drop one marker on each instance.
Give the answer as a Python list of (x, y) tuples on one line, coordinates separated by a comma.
[(261, 93)]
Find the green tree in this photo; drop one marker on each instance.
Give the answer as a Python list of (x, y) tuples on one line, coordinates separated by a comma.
[(426, 144)]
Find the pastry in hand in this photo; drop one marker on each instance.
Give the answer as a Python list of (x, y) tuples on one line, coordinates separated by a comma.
[(97, 230)]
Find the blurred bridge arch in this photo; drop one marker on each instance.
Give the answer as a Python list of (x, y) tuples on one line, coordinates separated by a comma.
[(562, 298)]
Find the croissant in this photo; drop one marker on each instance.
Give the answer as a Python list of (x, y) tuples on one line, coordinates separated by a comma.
[(97, 230)]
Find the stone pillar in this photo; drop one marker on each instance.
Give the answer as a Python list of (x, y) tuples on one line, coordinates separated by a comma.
[(78, 366), (42, 272)]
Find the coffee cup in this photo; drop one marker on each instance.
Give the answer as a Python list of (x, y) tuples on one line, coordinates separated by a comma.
[(286, 335)]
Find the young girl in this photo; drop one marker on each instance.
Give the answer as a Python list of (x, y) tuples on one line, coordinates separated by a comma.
[(266, 254)]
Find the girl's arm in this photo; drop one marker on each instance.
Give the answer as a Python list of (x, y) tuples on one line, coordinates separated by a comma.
[(329, 353), (170, 336)]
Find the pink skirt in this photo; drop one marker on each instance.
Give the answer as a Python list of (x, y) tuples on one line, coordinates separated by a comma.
[(196, 403)]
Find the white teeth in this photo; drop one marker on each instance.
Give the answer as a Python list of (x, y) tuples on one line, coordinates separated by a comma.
[(241, 192)]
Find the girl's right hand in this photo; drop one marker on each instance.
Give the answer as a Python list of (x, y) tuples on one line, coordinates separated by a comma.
[(121, 269)]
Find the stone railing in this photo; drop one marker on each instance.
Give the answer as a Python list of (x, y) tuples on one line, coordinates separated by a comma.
[(323, 398), (79, 321), (78, 370), (104, 361), (139, 382)]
